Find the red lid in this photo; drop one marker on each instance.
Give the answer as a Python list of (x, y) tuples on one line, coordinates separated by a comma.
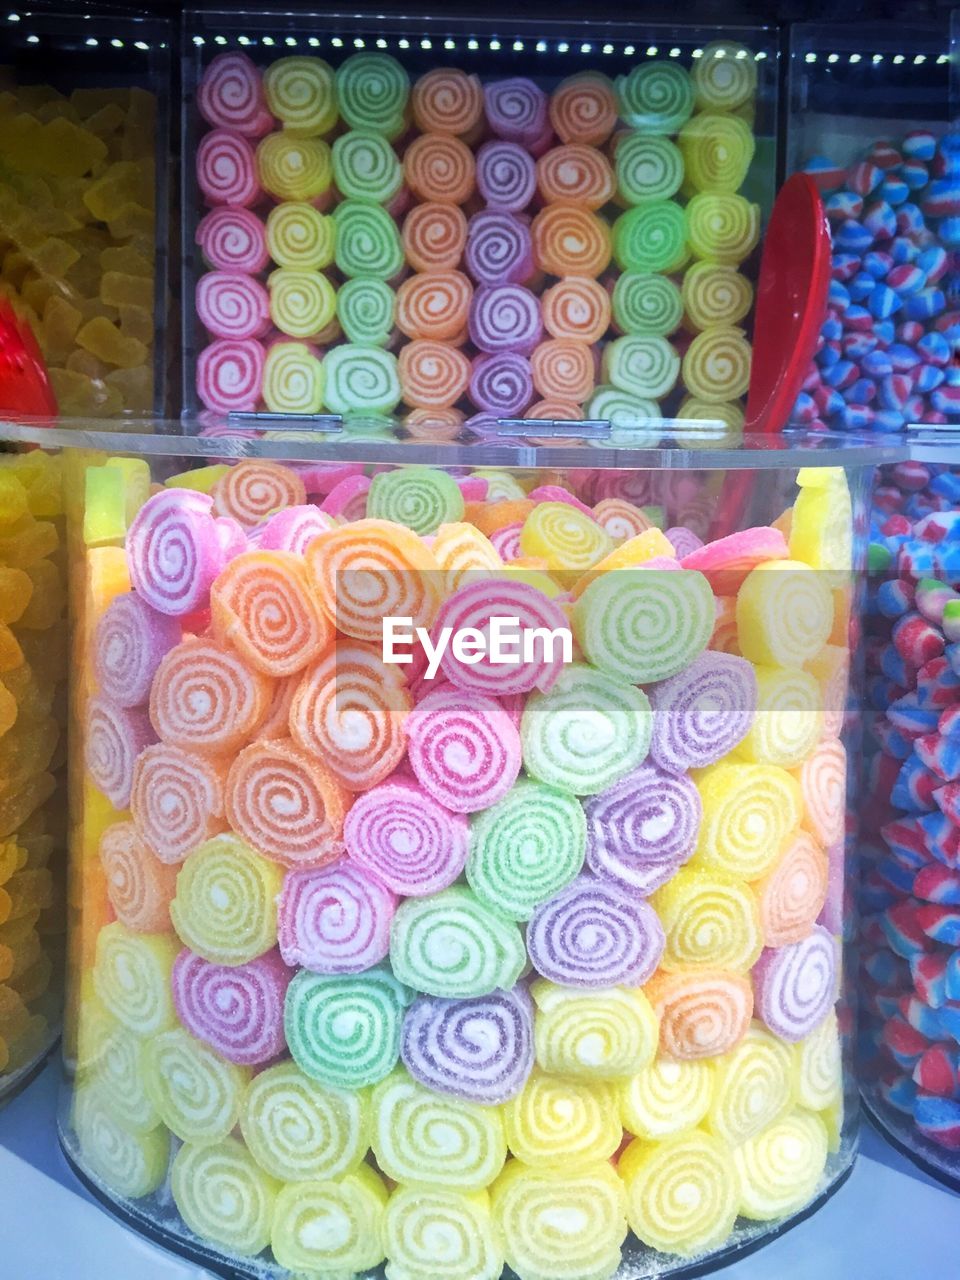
[(25, 389)]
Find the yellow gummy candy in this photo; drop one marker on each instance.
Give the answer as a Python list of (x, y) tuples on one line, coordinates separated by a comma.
[(821, 530), (202, 480), (639, 549), (501, 485), (48, 599), (13, 499), (119, 290), (105, 507), (16, 589), (779, 1169), (103, 339), (784, 613), (136, 483)]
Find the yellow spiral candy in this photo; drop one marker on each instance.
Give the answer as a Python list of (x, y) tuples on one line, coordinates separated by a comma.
[(93, 1028), (301, 93), (431, 1234), (780, 1168), (331, 1228), (754, 1085), (300, 1130), (666, 1098), (131, 976), (713, 294), (728, 418), (821, 530), (722, 228), (710, 920), (724, 77), (818, 1066), (292, 379), (784, 613), (682, 1193), (425, 1138), (593, 1035), (120, 1072), (564, 537), (129, 1164), (832, 1117), (560, 1224), (196, 1093), (300, 236), (748, 811), (501, 485), (788, 719), (225, 908), (717, 151), (463, 554), (291, 168), (223, 1196), (716, 366), (302, 303), (557, 1121)]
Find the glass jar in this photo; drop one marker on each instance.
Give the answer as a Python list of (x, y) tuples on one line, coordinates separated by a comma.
[(426, 954)]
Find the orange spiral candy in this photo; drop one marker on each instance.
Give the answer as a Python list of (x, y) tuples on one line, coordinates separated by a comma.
[(576, 174), (349, 709), (570, 241), (205, 699), (434, 304), (555, 410), (447, 100), (139, 885), (176, 800), (576, 307), (621, 519), (823, 782), (563, 368), (488, 517), (251, 491), (831, 669), (370, 569), (434, 236), (276, 723), (583, 108), (434, 424), (792, 893), (701, 1014), (286, 804), (433, 375), (262, 604), (439, 167)]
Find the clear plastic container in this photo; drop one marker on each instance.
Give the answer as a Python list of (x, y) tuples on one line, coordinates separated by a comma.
[(511, 195), (84, 202), (910, 943), (514, 968)]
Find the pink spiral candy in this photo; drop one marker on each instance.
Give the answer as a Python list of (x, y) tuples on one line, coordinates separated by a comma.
[(230, 375), (505, 317), (480, 1048), (556, 493), (231, 96), (405, 838), (594, 934), (473, 488), (499, 248), (517, 109), (506, 541), (702, 712), (233, 239), (334, 919), (114, 738), (643, 829), (348, 498), (684, 541), (176, 801), (464, 749), (232, 305), (293, 529), (175, 550), (320, 477), (131, 639), (237, 1010), (501, 385), (227, 169), (795, 987), (474, 605), (506, 176)]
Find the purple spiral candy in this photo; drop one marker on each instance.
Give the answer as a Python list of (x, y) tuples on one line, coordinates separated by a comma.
[(506, 176), (131, 640), (644, 828), (406, 838), (334, 919), (516, 109), (683, 541), (703, 712), (480, 1049), (501, 384), (795, 986), (593, 934), (499, 248), (505, 317)]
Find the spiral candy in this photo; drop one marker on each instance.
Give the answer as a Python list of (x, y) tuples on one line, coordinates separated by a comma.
[(231, 304), (575, 174), (139, 885), (646, 303), (302, 303), (564, 537), (452, 945), (792, 893), (345, 1031), (205, 699), (788, 722), (421, 498), (434, 236), (723, 228), (223, 1195), (784, 613), (641, 365), (174, 551), (563, 367), (570, 241), (406, 838), (114, 738), (232, 239), (334, 919), (723, 78), (593, 1035), (440, 168), (293, 168), (702, 1014), (252, 490), (516, 109), (176, 800), (823, 782), (499, 249), (667, 1097), (131, 639), (464, 555), (779, 1169), (716, 366), (372, 90), (796, 985), (119, 1071), (230, 96), (227, 169), (131, 976), (562, 1121), (709, 920), (130, 1164), (463, 748), (197, 1093), (446, 100), (322, 1225), (748, 811), (236, 1009), (292, 379), (583, 109), (703, 712), (366, 167), (681, 1193), (434, 305), (365, 309), (717, 152), (433, 1234), (225, 907), (367, 241), (300, 92), (715, 295), (818, 1066), (655, 97), (299, 236), (229, 375), (651, 237), (576, 307), (506, 176), (647, 167), (752, 1087)]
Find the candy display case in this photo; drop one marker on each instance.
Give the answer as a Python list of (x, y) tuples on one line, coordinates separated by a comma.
[(460, 967), (83, 202), (446, 217)]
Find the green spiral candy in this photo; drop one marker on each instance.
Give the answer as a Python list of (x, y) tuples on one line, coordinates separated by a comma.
[(722, 228), (224, 1196), (644, 302), (130, 1164), (368, 242), (717, 152), (643, 625), (641, 365), (452, 944), (419, 497), (724, 77), (361, 379), (525, 848), (587, 732), (197, 1093), (366, 167), (300, 236), (648, 168), (651, 237), (345, 1031), (625, 412), (656, 97), (365, 310), (713, 294), (372, 90)]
